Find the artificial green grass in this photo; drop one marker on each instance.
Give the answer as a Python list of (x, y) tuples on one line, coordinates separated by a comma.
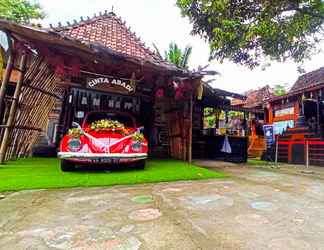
[(258, 162), (39, 173)]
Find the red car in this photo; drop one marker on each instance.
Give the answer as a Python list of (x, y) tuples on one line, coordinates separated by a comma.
[(104, 138)]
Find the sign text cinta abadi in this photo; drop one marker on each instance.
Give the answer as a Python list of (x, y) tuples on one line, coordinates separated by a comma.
[(114, 82)]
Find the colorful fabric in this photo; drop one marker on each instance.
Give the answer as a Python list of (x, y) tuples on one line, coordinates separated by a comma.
[(200, 91), (226, 146)]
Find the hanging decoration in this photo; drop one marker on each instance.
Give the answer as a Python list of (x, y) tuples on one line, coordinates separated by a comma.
[(200, 90), (179, 94), (132, 81), (159, 93), (45, 52), (75, 67), (19, 46), (182, 89), (178, 88), (59, 67)]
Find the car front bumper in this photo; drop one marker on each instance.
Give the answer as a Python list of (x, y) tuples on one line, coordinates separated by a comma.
[(94, 156)]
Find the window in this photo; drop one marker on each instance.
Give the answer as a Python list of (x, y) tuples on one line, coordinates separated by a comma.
[(285, 111), (125, 119)]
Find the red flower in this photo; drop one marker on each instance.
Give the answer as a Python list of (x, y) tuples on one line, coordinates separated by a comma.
[(159, 93)]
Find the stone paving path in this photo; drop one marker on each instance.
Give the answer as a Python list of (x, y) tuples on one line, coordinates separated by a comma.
[(255, 209)]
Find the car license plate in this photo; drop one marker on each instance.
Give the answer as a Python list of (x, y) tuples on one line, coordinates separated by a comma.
[(107, 161)]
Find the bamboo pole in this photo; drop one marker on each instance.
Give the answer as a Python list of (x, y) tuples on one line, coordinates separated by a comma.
[(190, 130), (37, 106), (13, 109), (5, 80)]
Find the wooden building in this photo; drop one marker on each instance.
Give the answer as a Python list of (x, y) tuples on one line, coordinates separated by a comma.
[(298, 121), (92, 64), (208, 140), (256, 99), (54, 76)]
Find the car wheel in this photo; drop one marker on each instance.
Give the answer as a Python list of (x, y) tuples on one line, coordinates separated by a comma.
[(67, 166), (140, 164)]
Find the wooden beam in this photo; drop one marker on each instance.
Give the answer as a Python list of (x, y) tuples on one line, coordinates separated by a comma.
[(5, 80), (13, 109), (318, 115), (22, 127), (43, 91)]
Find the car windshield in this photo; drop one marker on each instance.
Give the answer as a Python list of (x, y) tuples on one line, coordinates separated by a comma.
[(125, 119)]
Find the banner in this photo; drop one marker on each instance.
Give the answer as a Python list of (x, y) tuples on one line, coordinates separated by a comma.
[(269, 135)]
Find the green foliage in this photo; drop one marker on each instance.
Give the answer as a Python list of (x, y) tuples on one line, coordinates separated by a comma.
[(211, 121), (175, 55), (20, 11), (36, 173), (208, 111), (234, 114), (246, 31), (279, 90)]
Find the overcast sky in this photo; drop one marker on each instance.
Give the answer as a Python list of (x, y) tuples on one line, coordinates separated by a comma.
[(159, 22)]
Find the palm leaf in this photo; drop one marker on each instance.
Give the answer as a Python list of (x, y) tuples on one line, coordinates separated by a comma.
[(186, 56)]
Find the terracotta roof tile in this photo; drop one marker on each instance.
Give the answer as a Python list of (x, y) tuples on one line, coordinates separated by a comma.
[(255, 97), (309, 79), (110, 31)]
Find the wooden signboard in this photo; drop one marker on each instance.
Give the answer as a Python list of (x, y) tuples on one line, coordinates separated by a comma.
[(111, 85)]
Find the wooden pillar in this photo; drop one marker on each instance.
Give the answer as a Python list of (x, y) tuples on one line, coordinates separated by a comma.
[(318, 126), (13, 109), (5, 80), (270, 112), (190, 130)]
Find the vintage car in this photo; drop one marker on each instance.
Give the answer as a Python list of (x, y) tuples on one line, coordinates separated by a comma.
[(104, 138)]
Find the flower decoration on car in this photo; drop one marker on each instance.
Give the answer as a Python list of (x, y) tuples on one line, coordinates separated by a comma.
[(108, 126), (75, 133), (139, 137)]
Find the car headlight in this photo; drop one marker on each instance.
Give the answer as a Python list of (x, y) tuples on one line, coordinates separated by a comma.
[(74, 144), (136, 146)]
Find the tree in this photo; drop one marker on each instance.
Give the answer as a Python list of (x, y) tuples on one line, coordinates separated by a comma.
[(175, 55), (246, 32), (279, 90), (20, 11)]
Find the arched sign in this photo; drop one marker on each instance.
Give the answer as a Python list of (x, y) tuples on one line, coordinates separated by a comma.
[(107, 84)]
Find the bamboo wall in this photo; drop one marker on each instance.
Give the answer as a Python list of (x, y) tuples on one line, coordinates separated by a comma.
[(35, 102)]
